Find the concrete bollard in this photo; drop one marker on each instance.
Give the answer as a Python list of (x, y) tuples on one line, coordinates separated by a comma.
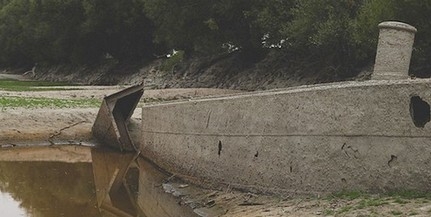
[(394, 51)]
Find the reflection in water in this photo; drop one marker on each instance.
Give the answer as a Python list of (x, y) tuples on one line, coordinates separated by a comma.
[(10, 207), (130, 186), (50, 188), (114, 192), (114, 184)]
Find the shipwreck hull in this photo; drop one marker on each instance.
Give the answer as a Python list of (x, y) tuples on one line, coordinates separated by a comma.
[(371, 136), (110, 127)]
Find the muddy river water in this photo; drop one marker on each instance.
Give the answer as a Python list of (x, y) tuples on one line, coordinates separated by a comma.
[(47, 189), (82, 182)]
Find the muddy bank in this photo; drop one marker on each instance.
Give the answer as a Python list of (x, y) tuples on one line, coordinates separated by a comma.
[(73, 125), (226, 71), (48, 126)]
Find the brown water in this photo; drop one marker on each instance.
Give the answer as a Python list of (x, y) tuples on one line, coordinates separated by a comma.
[(106, 183), (47, 189)]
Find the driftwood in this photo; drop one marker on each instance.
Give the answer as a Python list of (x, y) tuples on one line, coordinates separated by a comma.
[(32, 71)]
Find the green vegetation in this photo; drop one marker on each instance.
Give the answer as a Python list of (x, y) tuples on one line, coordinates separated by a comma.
[(409, 194), (357, 202), (370, 202), (169, 64), (400, 201), (396, 213), (26, 102), (345, 209), (13, 85), (327, 212), (33, 102), (72, 31), (347, 195), (399, 194), (334, 37)]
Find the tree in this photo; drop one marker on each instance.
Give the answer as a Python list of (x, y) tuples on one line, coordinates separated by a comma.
[(272, 18), (413, 12), (322, 32), (209, 26), (38, 31), (183, 25), (73, 31), (118, 28)]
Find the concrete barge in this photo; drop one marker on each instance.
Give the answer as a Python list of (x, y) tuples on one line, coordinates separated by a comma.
[(368, 136), (371, 136)]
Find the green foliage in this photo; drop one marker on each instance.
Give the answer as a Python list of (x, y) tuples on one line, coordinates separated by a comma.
[(118, 28), (371, 14), (418, 14), (336, 37), (171, 62), (344, 209), (396, 212), (328, 212), (370, 202), (347, 195), (30, 102), (322, 31), (13, 85), (205, 26), (271, 18), (73, 31), (410, 194), (41, 30), (413, 12), (181, 24)]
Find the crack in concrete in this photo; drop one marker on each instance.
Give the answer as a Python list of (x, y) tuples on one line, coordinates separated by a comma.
[(209, 117), (57, 133)]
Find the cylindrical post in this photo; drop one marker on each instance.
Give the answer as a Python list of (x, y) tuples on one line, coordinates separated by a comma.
[(394, 51)]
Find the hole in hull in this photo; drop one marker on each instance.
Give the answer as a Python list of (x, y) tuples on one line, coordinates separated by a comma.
[(419, 111)]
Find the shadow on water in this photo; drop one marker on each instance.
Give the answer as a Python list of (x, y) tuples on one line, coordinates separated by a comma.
[(110, 184)]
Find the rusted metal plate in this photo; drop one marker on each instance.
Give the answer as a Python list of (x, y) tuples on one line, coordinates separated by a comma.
[(110, 126)]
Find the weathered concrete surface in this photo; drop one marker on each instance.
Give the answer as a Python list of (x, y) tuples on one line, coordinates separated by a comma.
[(110, 126), (394, 51), (306, 140)]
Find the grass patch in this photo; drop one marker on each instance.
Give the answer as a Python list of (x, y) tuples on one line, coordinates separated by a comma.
[(347, 195), (408, 194), (398, 196), (396, 213), (14, 85), (328, 212), (345, 209), (400, 201), (171, 62), (371, 203), (16, 102)]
